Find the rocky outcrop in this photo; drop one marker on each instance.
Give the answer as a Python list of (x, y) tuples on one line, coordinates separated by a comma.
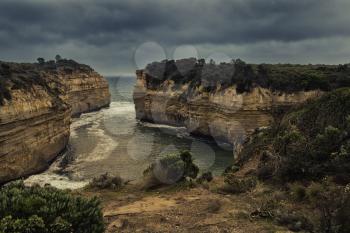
[(86, 90), (225, 102), (83, 88), (36, 105)]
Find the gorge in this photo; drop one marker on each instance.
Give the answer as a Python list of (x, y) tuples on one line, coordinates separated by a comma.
[(225, 102)]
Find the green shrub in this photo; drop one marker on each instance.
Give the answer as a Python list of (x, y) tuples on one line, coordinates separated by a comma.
[(297, 191), (205, 177), (170, 169), (314, 190), (294, 221), (237, 185), (47, 210), (106, 181), (310, 142), (332, 203)]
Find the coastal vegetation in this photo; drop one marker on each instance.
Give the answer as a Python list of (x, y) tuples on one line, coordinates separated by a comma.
[(306, 153), (24, 76), (47, 210), (106, 181), (309, 142), (170, 169), (277, 77)]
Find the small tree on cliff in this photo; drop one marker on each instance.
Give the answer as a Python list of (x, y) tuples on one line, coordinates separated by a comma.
[(41, 60), (58, 58)]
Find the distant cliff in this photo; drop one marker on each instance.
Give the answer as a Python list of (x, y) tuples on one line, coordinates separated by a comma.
[(227, 101), (36, 105)]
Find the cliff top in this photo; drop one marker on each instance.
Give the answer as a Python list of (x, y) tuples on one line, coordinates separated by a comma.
[(65, 65), (278, 77), (25, 75)]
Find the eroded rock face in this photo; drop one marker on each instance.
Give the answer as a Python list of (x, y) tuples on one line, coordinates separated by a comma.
[(36, 105), (221, 113), (86, 90)]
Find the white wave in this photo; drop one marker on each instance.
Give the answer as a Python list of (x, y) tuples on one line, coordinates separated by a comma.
[(55, 180), (152, 125), (104, 147)]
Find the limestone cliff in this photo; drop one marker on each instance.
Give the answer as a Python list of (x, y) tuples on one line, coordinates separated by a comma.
[(83, 88), (36, 105), (225, 101)]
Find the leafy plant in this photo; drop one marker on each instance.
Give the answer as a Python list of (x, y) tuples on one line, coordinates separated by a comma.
[(47, 210), (310, 142), (106, 181), (237, 185), (170, 169)]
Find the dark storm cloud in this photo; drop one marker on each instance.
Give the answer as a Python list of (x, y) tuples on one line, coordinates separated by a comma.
[(93, 28)]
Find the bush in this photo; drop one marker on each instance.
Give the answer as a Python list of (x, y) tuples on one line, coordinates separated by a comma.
[(231, 169), (297, 191), (293, 220), (270, 207), (333, 205), (238, 185), (106, 181), (170, 169), (310, 142), (47, 210), (205, 177)]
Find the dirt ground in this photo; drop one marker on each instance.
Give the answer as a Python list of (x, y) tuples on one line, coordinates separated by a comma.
[(181, 209)]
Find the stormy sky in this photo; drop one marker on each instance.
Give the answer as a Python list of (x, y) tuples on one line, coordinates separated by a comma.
[(119, 36)]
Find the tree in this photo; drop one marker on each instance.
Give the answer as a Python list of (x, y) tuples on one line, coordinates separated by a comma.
[(41, 60), (58, 58)]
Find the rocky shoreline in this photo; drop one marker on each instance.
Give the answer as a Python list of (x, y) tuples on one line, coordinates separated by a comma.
[(37, 102)]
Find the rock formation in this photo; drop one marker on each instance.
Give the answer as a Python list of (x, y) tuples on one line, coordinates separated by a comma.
[(86, 90), (36, 105), (225, 101)]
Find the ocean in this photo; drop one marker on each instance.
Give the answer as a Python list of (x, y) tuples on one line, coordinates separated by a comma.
[(112, 140)]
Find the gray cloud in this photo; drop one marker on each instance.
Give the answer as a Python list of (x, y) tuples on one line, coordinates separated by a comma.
[(105, 33)]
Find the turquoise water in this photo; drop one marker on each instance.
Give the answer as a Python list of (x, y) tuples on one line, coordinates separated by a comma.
[(112, 140)]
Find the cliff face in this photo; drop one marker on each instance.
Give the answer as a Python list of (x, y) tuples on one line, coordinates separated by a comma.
[(223, 113), (36, 105), (229, 100), (85, 89)]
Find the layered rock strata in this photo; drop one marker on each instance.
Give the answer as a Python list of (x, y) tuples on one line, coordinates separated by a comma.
[(36, 105), (85, 89), (225, 102)]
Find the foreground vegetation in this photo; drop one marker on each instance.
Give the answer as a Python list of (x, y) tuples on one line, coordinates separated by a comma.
[(47, 210), (310, 142), (306, 153)]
